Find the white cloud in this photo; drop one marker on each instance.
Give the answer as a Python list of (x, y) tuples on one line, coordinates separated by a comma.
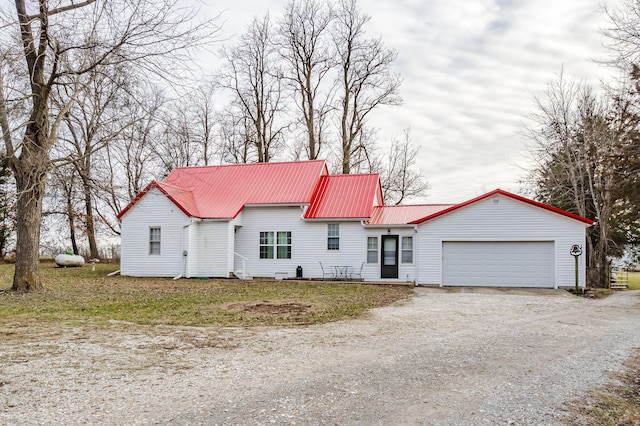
[(471, 70)]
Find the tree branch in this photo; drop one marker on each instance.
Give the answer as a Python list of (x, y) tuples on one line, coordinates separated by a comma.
[(61, 9), (4, 122)]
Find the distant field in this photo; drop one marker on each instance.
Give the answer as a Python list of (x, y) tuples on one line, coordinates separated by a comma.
[(79, 294), (634, 280)]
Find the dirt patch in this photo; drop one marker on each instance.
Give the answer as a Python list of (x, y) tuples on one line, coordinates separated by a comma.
[(274, 308)]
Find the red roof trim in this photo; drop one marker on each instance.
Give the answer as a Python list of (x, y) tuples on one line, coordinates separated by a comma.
[(318, 192), (137, 198), (152, 184), (510, 195)]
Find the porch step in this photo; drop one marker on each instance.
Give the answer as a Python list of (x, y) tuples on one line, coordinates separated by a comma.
[(241, 276)]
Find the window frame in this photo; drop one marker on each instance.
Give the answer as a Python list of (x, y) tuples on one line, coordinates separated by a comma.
[(271, 247), (408, 251), (155, 242), (266, 246), (286, 245), (372, 252), (333, 237)]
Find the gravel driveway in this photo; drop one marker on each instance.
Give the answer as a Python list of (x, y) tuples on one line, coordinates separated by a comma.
[(444, 357)]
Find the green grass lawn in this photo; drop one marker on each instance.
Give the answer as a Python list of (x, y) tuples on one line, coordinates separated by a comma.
[(634, 280), (77, 294)]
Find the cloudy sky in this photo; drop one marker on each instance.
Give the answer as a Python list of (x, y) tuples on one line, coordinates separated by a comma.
[(471, 70)]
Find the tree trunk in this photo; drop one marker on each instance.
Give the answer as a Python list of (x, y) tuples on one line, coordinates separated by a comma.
[(31, 165), (91, 233), (72, 223), (30, 173), (87, 190)]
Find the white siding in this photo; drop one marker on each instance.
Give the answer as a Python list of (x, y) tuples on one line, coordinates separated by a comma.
[(309, 244), (406, 271), (152, 210), (500, 218), (210, 248)]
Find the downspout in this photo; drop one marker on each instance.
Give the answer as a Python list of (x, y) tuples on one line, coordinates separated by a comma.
[(416, 255), (184, 253)]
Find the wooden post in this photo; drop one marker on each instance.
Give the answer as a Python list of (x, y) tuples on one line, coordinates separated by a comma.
[(576, 257), (576, 251)]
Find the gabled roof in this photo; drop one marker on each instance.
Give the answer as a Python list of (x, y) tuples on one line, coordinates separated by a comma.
[(506, 194), (222, 191), (344, 197), (403, 214), (180, 197)]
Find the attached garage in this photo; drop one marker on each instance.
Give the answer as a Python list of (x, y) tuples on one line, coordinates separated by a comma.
[(499, 240), (498, 263)]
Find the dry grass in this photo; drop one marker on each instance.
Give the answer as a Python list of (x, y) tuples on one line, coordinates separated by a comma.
[(613, 404), (80, 294)]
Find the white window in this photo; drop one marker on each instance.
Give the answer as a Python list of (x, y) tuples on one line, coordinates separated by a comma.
[(266, 245), (333, 236), (372, 250), (275, 245), (407, 249), (284, 245), (154, 240)]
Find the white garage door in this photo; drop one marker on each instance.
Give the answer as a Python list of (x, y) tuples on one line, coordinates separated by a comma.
[(498, 263)]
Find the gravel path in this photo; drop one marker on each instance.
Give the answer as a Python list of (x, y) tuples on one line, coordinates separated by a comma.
[(444, 357)]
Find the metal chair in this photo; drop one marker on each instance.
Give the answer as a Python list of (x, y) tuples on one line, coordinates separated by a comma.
[(327, 273), (359, 273)]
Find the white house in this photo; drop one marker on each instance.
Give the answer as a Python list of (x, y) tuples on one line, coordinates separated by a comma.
[(293, 218)]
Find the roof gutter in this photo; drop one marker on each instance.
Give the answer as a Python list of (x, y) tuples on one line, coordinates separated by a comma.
[(389, 225), (335, 219), (276, 204)]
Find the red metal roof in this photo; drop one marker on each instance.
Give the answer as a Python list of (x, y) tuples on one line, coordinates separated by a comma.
[(344, 196), (403, 214), (222, 191), (506, 194)]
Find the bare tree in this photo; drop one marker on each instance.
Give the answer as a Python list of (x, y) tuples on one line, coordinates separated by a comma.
[(252, 76), (176, 146), (235, 137), (62, 200), (204, 113), (305, 47), (622, 37), (399, 178), (96, 119), (623, 41), (576, 144), (59, 46), (189, 125), (129, 161), (366, 80)]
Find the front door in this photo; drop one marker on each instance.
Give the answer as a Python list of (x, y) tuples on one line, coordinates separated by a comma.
[(389, 268)]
